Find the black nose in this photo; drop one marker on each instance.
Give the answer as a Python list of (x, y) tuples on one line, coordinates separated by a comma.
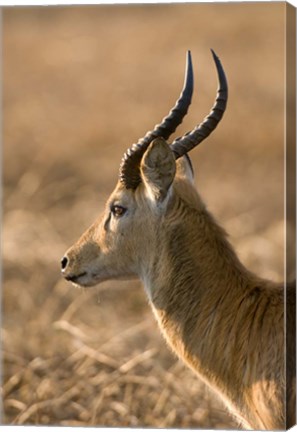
[(64, 262)]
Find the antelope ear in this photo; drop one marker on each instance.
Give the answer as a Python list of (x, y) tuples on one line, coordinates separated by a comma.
[(158, 169), (184, 168)]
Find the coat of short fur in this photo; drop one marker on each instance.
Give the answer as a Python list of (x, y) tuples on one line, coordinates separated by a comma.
[(227, 324)]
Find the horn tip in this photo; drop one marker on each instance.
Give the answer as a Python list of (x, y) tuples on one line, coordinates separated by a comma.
[(189, 56), (214, 54), (189, 75), (221, 73)]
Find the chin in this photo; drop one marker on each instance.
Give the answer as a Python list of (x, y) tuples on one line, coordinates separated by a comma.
[(91, 280), (85, 284), (88, 281)]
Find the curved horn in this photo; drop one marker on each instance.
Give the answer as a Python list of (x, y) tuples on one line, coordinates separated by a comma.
[(130, 165), (183, 145)]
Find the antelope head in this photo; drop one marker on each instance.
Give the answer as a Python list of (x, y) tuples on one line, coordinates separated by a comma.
[(119, 244)]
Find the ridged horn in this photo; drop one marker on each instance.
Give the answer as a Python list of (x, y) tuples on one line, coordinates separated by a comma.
[(130, 165), (183, 145)]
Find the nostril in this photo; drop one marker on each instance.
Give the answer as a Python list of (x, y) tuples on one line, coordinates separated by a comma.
[(64, 262)]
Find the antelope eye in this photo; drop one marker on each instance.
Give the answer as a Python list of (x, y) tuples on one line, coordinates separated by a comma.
[(118, 210)]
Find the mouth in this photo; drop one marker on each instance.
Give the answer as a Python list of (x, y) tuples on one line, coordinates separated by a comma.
[(75, 278), (88, 279), (84, 279)]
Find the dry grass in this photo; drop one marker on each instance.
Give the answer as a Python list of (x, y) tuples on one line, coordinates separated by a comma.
[(80, 86)]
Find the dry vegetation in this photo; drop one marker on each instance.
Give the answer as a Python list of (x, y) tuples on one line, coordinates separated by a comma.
[(80, 86)]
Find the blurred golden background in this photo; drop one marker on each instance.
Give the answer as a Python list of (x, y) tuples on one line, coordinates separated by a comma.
[(81, 84)]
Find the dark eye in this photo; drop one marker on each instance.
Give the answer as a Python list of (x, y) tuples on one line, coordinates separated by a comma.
[(118, 210)]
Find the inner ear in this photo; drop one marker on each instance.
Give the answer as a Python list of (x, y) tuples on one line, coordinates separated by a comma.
[(158, 169)]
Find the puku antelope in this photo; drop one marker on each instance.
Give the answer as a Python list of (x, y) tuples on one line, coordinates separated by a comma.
[(224, 322)]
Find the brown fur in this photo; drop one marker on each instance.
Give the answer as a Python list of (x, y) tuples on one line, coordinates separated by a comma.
[(227, 324)]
